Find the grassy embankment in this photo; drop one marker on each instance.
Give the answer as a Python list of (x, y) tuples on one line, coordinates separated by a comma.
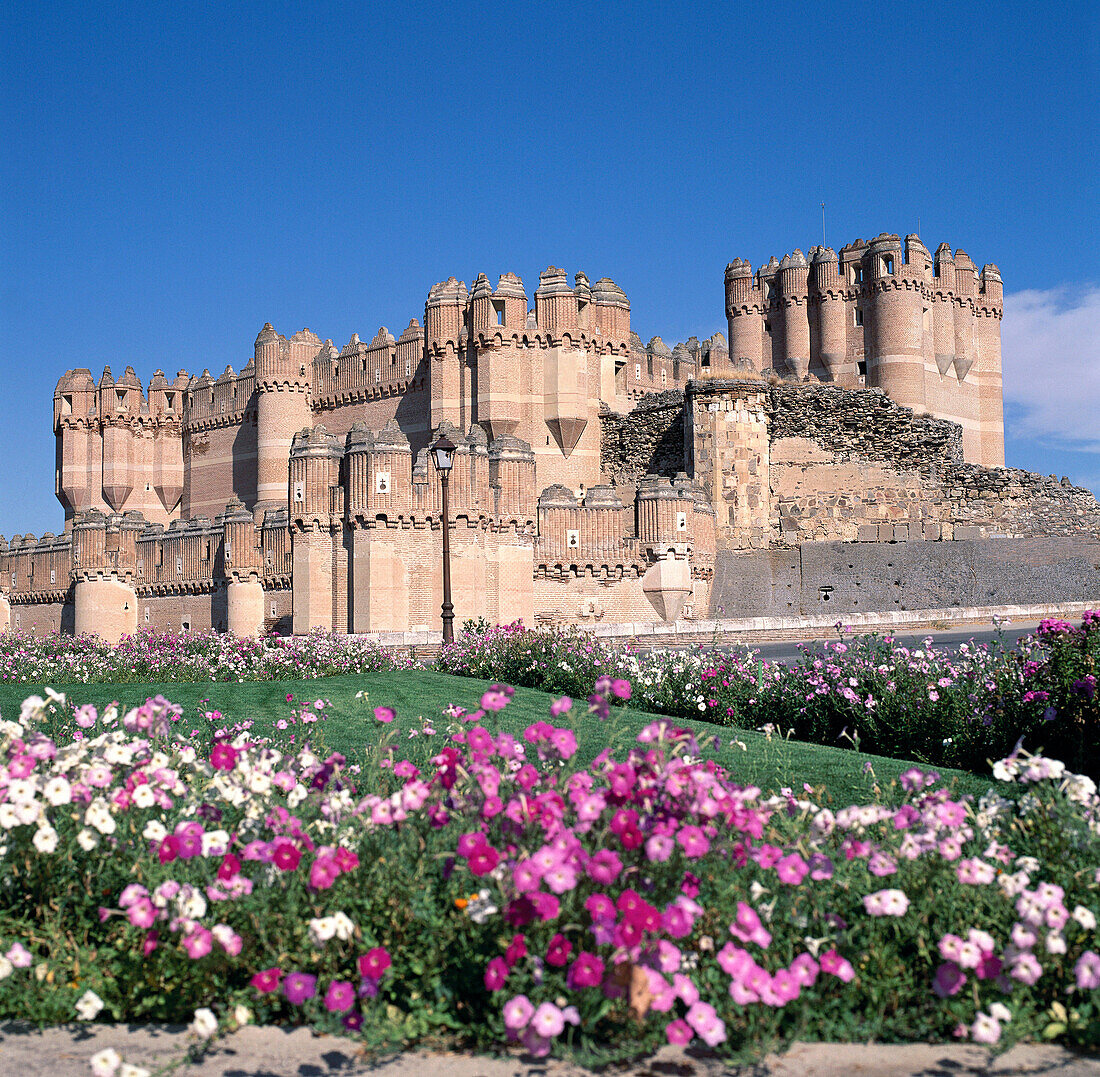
[(350, 727)]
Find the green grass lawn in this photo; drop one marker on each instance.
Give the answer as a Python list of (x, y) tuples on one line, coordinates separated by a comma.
[(415, 695)]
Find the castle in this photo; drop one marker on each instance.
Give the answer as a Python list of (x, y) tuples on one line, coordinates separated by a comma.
[(854, 417)]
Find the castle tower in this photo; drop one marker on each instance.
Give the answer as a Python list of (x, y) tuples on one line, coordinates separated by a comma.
[(315, 510), (512, 478), (166, 415), (989, 310), (104, 556), (243, 566), (79, 465), (501, 373), (444, 322), (829, 315), (282, 408), (745, 314), (115, 405), (564, 364), (555, 304), (943, 309), (791, 299), (895, 358)]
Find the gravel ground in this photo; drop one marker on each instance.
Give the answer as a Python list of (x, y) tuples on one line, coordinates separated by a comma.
[(273, 1052)]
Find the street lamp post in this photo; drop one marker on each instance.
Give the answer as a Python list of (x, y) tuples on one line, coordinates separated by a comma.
[(443, 453)]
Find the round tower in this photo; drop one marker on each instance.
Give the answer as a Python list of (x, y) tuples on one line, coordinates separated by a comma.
[(745, 314), (792, 296), (989, 311), (829, 313), (244, 591), (282, 409), (895, 359)]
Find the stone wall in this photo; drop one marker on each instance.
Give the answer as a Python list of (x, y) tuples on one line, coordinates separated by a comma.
[(647, 441), (861, 577), (863, 423)]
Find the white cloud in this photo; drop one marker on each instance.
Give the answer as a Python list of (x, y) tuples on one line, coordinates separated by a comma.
[(1050, 352)]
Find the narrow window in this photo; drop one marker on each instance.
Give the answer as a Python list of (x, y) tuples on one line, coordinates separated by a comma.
[(146, 614), (637, 371), (888, 264), (66, 405), (185, 625), (120, 395), (378, 377), (408, 367), (859, 316), (169, 401), (861, 366)]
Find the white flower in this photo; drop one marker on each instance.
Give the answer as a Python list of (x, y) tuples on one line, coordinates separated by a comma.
[(344, 926), (259, 782), (105, 1063), (215, 843), (144, 797), (242, 1015), (8, 819), (45, 839), (31, 708), (6, 968), (87, 840), (191, 904), (21, 790), (154, 830), (129, 1070), (205, 1024), (1085, 918), (99, 816), (57, 791), (296, 796), (88, 1005)]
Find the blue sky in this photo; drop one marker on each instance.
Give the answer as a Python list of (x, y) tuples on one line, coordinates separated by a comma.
[(176, 175)]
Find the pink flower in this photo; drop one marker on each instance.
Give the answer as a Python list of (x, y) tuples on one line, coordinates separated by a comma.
[(560, 706), (659, 848), (323, 873), (678, 1032), (791, 869), (223, 757), (340, 997), (886, 903), (267, 981), (517, 949), (374, 963), (496, 972), (494, 700), (604, 867), (548, 1021), (693, 841), (168, 849), (586, 971), (705, 1021), (298, 987), (384, 714), (198, 944), (1087, 971), (835, 965), (142, 913), (517, 1012)]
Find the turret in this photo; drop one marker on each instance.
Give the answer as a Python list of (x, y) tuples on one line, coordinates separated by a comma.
[(315, 456), (242, 561), (78, 467), (610, 313), (444, 314), (556, 305), (895, 359), (745, 313), (829, 317), (943, 308), (512, 477), (282, 407), (792, 310), (378, 473), (988, 313), (410, 350), (117, 403)]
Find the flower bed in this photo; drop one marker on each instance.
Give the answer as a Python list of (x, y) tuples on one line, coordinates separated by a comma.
[(157, 657), (953, 709), (486, 890)]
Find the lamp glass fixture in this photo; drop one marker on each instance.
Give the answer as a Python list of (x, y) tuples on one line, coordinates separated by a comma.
[(443, 453)]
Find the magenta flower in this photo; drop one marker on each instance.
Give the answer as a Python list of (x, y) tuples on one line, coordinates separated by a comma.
[(298, 987), (620, 688), (223, 757), (374, 963), (142, 913), (168, 849), (557, 953), (679, 1032), (948, 980), (496, 972), (483, 860), (468, 844), (286, 856), (340, 997), (840, 967), (384, 714), (586, 971), (267, 981), (659, 848), (693, 841), (604, 867), (560, 706), (494, 700)]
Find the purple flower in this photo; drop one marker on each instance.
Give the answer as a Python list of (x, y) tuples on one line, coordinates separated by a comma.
[(340, 997), (298, 987)]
